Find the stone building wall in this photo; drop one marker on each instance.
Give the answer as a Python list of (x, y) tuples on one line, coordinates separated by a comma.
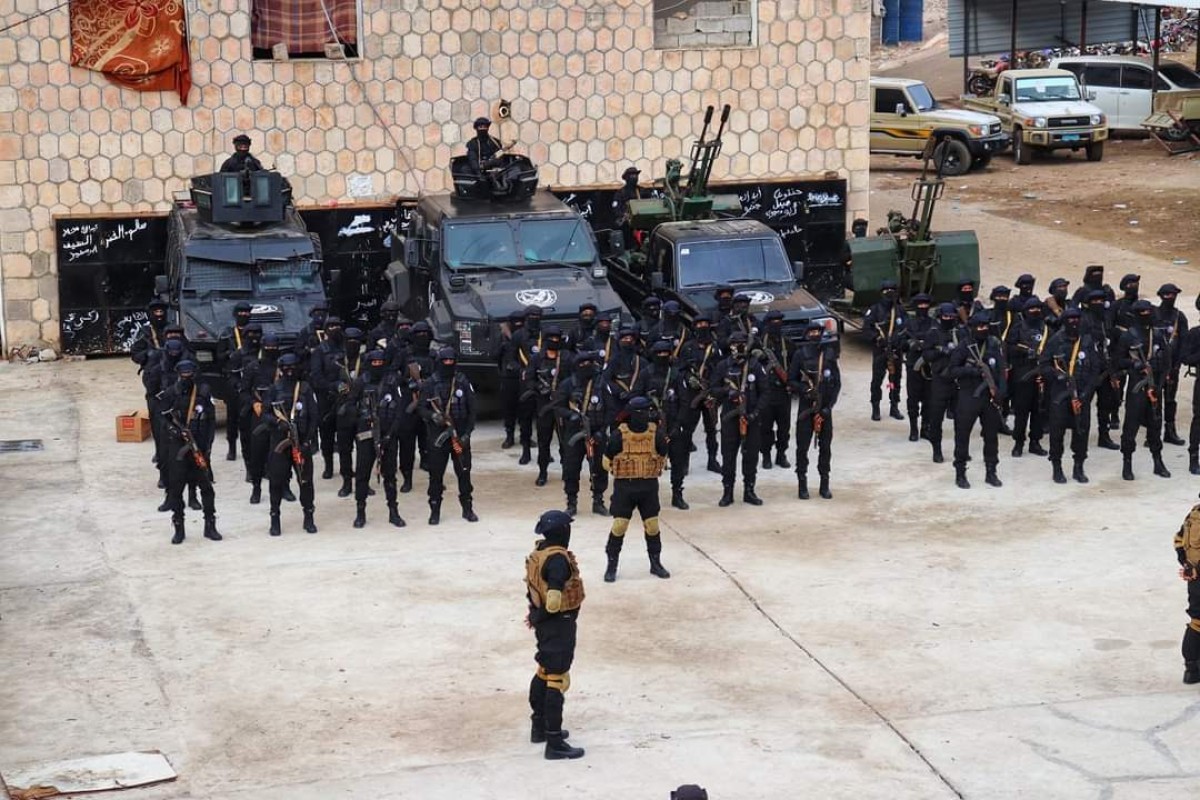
[(590, 95)]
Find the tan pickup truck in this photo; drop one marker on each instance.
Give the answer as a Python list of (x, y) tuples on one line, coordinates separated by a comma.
[(904, 116), (1044, 109)]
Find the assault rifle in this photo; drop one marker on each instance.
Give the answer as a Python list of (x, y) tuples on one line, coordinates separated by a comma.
[(890, 352), (585, 430), (376, 435), (773, 363), (989, 379), (1076, 401), (189, 446), (737, 396), (291, 442), (1142, 364), (414, 379), (448, 432)]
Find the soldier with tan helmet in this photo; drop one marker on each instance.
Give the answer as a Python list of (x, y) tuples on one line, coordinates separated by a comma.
[(1187, 550)]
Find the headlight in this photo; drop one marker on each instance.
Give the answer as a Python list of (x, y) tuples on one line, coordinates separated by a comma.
[(1097, 119), (465, 343), (204, 355), (1040, 122), (600, 272), (976, 130), (828, 323)]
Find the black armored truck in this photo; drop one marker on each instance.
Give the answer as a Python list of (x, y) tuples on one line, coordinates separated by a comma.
[(236, 237), (497, 244)]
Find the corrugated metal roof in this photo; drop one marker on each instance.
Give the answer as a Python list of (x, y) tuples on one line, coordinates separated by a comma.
[(1042, 24)]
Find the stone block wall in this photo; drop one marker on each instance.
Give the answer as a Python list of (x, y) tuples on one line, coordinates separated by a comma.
[(591, 93), (680, 24)]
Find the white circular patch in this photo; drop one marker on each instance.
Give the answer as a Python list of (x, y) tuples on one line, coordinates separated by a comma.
[(542, 298), (458, 392), (299, 406), (750, 377), (759, 298)]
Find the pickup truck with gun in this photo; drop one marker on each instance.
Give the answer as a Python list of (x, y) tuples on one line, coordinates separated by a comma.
[(1044, 110)]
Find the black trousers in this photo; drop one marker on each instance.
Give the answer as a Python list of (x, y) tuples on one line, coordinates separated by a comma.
[(1028, 412), (879, 370), (1194, 428), (919, 393), (410, 435), (526, 411), (690, 420), (255, 446), (546, 423), (327, 425), (1062, 420), (555, 654), (1141, 413), (1108, 397), (364, 467), (346, 432), (775, 418), (183, 472), (510, 400), (732, 441), (233, 412), (804, 440), (279, 474), (967, 412), (1170, 391), (438, 457), (573, 458), (679, 454), (942, 396)]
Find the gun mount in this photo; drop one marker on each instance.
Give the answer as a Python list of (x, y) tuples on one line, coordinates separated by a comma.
[(249, 197)]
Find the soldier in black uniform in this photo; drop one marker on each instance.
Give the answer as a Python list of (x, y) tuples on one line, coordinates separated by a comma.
[(1174, 325), (248, 341), (1122, 320), (739, 320), (1024, 285), (967, 304), (448, 408), (393, 402), (241, 158), (381, 335), (1187, 552), (737, 386), (324, 371), (696, 362), (620, 204), (671, 328), (1071, 364), (659, 379), (602, 341), (886, 323), (919, 386), (775, 411), (1098, 323), (507, 356), (1056, 302), (1003, 320), (310, 339), (150, 340), (581, 406), (554, 590), (419, 368), (625, 377), (546, 370), (1143, 355), (372, 404), (647, 324), (292, 411), (529, 340), (161, 374), (1189, 354), (344, 372), (1027, 378), (816, 379), (189, 426), (940, 342), (971, 365), (634, 456), (254, 392), (483, 149)]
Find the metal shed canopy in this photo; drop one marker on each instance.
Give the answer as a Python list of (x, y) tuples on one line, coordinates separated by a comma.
[(980, 27)]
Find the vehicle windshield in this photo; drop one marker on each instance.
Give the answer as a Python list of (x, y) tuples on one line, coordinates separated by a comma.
[(1180, 75), (920, 95), (503, 244), (1038, 90), (733, 261), (272, 277)]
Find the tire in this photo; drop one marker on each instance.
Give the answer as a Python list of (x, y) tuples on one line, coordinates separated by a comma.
[(1095, 152), (952, 157), (980, 85), (982, 161), (1022, 153)]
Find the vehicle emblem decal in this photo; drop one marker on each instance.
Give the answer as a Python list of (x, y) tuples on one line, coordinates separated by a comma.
[(263, 308), (542, 298), (759, 298)]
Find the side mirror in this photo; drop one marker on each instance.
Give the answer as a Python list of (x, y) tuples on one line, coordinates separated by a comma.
[(798, 270), (458, 283), (412, 253), (656, 280), (900, 110), (1091, 95), (1005, 99), (160, 285), (616, 241)]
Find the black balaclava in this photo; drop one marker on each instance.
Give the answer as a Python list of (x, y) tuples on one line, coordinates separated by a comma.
[(376, 364), (447, 363), (1072, 324), (585, 369), (702, 330), (333, 330), (533, 320)]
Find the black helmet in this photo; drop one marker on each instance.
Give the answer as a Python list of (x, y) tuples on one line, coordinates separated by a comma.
[(661, 346), (1000, 291), (1130, 280), (1168, 288), (186, 367), (242, 307), (639, 403), (447, 354), (241, 138), (253, 328), (1025, 280), (376, 355), (353, 334), (630, 172), (554, 525), (482, 122), (288, 360), (774, 316), (271, 341)]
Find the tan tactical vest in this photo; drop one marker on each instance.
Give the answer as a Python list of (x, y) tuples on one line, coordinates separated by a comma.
[(638, 458), (572, 593), (1190, 534)]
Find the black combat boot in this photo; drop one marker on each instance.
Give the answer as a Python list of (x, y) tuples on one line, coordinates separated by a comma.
[(347, 486), (288, 496), (247, 477), (875, 415), (1191, 672), (276, 530), (767, 463), (541, 477), (508, 439), (557, 747), (162, 484), (328, 473), (1194, 463), (1160, 469), (654, 551), (360, 518), (468, 509), (1104, 440), (938, 458), (726, 497), (165, 505), (1059, 475), (1127, 467), (526, 456), (598, 506), (1036, 449), (310, 525), (572, 504), (394, 517), (803, 493), (256, 493), (1019, 449), (210, 529), (914, 433), (178, 537), (781, 459), (435, 512), (824, 490), (713, 464), (1078, 474), (677, 500), (613, 551), (894, 411), (537, 729), (1171, 436), (406, 485), (232, 454), (748, 495), (990, 477), (193, 501), (960, 478)]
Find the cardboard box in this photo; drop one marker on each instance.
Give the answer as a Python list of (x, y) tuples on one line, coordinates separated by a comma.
[(133, 426)]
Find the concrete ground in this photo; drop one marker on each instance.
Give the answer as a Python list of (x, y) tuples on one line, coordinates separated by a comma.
[(905, 640)]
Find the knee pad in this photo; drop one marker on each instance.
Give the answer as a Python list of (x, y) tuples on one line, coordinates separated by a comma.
[(558, 681), (619, 526), (651, 526), (1194, 625)]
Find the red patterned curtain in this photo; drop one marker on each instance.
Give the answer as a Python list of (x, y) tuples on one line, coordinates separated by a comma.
[(305, 26), (141, 44)]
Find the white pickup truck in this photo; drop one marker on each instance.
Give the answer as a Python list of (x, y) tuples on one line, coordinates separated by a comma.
[(1044, 109)]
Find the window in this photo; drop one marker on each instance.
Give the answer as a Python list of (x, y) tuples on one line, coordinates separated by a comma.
[(1135, 78), (733, 262), (1037, 90), (1106, 76), (1179, 75), (499, 244), (704, 24), (886, 101), (286, 29)]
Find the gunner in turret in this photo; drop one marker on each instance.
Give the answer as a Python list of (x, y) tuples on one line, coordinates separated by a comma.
[(483, 149), (241, 158)]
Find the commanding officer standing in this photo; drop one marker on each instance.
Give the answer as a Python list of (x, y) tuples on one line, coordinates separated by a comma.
[(978, 367), (816, 379), (1174, 326), (189, 426), (737, 385), (554, 589), (635, 456), (1143, 355), (886, 322), (775, 412), (581, 405), (1187, 551), (293, 413), (448, 407), (1071, 364)]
